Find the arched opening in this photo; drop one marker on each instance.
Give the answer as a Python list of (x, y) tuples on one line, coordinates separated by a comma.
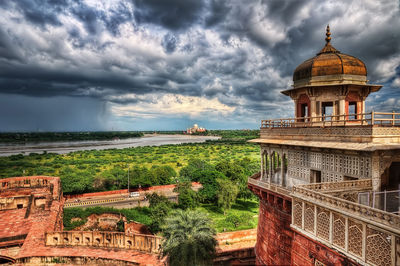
[(303, 107), (393, 177), (6, 260), (353, 105)]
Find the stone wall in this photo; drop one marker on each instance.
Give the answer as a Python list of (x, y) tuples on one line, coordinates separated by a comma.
[(305, 251), (146, 243), (274, 235), (278, 244), (334, 165), (51, 260), (357, 134)]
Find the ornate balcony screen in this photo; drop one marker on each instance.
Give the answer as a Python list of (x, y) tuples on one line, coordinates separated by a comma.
[(367, 235)]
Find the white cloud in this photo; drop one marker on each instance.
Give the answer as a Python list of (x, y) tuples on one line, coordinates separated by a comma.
[(156, 105)]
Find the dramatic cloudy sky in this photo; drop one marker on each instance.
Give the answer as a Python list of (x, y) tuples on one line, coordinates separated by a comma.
[(158, 64)]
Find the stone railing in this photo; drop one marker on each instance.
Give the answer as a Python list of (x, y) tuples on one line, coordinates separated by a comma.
[(270, 186), (361, 119), (96, 239), (369, 236), (359, 185), (377, 217)]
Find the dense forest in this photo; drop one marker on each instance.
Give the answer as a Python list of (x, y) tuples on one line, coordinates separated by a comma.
[(100, 170)]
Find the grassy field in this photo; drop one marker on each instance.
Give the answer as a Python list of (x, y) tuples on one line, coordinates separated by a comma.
[(243, 215)]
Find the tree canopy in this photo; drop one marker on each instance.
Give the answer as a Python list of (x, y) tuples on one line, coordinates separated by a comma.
[(189, 238), (227, 193)]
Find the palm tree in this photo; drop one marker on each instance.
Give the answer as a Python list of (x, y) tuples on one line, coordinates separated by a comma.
[(189, 238)]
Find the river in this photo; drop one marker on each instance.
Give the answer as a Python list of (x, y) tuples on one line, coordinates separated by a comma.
[(62, 147)]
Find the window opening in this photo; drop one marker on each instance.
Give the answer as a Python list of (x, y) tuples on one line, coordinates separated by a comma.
[(352, 110), (327, 110), (315, 176)]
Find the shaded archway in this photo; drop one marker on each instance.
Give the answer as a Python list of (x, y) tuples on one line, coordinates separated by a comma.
[(6, 260), (394, 177)]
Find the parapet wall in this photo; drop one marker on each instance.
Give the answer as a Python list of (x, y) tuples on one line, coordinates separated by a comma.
[(195, 185), (137, 242), (374, 134), (53, 183)]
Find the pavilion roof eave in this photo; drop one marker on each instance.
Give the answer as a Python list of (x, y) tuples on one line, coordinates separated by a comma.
[(374, 87), (328, 144)]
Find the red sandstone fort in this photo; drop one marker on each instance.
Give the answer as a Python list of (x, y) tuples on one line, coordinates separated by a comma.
[(329, 181), (31, 230)]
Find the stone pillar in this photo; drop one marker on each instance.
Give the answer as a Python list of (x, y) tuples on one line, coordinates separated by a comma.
[(376, 175), (342, 106), (295, 108), (313, 108), (282, 171), (270, 166), (262, 164), (362, 110)]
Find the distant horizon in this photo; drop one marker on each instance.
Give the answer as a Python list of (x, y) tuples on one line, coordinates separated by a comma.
[(161, 130)]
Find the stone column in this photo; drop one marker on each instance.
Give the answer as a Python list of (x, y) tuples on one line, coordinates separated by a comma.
[(376, 175), (342, 106), (282, 170), (313, 108), (262, 164), (362, 110), (270, 166), (295, 108)]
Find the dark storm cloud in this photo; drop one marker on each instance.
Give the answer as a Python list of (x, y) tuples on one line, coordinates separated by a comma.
[(123, 13), (173, 14), (51, 114), (169, 43), (218, 10), (88, 16), (241, 52), (40, 12)]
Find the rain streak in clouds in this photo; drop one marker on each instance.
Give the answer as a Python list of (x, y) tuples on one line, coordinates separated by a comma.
[(157, 64)]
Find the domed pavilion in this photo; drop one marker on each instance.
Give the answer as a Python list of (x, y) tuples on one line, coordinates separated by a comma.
[(329, 182), (330, 83)]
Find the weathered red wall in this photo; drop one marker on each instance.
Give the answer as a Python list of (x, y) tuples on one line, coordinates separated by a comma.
[(278, 244), (274, 236), (306, 251), (195, 185)]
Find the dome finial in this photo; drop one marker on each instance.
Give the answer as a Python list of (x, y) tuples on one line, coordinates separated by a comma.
[(328, 35)]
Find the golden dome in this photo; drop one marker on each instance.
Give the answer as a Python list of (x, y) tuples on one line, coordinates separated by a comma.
[(329, 62)]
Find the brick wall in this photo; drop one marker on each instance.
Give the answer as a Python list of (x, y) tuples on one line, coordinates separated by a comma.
[(274, 235), (195, 185), (278, 244), (306, 251)]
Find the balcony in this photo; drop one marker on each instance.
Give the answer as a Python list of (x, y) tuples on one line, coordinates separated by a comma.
[(361, 119), (373, 127), (331, 214)]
